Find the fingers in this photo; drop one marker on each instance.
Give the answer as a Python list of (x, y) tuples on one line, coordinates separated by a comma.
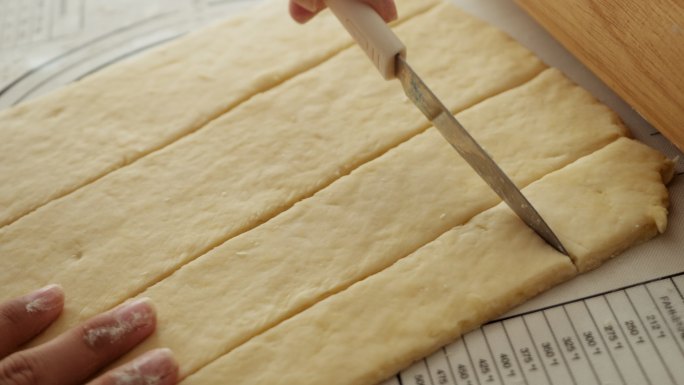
[(303, 10), (23, 318), (77, 354), (311, 5), (385, 8), (154, 367)]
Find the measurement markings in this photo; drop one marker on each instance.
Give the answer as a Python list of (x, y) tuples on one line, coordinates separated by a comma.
[(483, 360), (494, 362), (515, 356), (590, 340), (416, 374), (451, 368), (470, 358), (672, 306), (541, 360), (461, 365), (627, 341), (502, 351), (523, 346), (648, 335), (438, 368), (667, 324), (617, 341), (581, 345), (632, 335), (557, 342), (429, 373)]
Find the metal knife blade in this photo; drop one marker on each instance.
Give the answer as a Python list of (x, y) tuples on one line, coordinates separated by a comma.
[(388, 54), (472, 152)]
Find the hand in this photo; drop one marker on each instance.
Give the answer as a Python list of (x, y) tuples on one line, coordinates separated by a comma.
[(303, 10), (76, 355)]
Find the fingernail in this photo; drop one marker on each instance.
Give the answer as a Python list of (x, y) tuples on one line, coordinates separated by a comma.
[(156, 367), (136, 312), (44, 299), (309, 5), (122, 321)]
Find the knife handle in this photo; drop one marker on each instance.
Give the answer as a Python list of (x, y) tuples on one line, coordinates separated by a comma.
[(371, 33)]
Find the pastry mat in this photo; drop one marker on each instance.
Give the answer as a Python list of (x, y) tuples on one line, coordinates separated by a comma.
[(620, 324), (633, 335)]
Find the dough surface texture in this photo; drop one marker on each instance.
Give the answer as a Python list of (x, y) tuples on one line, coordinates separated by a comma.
[(292, 215), (55, 144), (366, 221), (467, 276), (281, 146)]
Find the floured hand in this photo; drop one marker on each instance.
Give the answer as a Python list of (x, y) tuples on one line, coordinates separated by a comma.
[(76, 355)]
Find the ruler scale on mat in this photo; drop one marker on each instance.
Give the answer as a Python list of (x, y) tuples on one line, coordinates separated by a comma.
[(633, 335), (388, 54)]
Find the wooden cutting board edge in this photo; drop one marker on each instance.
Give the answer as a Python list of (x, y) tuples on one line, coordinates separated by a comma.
[(636, 48)]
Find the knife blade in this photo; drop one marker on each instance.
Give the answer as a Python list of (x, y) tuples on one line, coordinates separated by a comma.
[(388, 54)]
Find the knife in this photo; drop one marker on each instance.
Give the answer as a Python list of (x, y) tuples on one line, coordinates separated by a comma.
[(388, 54)]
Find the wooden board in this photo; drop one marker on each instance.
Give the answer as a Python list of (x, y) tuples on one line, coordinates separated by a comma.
[(636, 47)]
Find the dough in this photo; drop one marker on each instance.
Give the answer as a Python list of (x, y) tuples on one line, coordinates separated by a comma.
[(470, 274), (625, 206), (281, 146), (56, 144), (366, 221), (322, 205)]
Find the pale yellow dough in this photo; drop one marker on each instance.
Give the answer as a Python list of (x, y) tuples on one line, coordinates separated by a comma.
[(318, 232), (468, 275), (56, 144), (114, 238), (625, 204), (366, 221)]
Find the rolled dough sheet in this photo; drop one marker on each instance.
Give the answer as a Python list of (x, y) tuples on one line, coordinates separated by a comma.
[(629, 209), (366, 221), (470, 274), (151, 217), (53, 145)]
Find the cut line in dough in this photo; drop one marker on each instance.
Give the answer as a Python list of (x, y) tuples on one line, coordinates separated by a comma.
[(170, 207), (58, 143), (366, 221), (467, 276)]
